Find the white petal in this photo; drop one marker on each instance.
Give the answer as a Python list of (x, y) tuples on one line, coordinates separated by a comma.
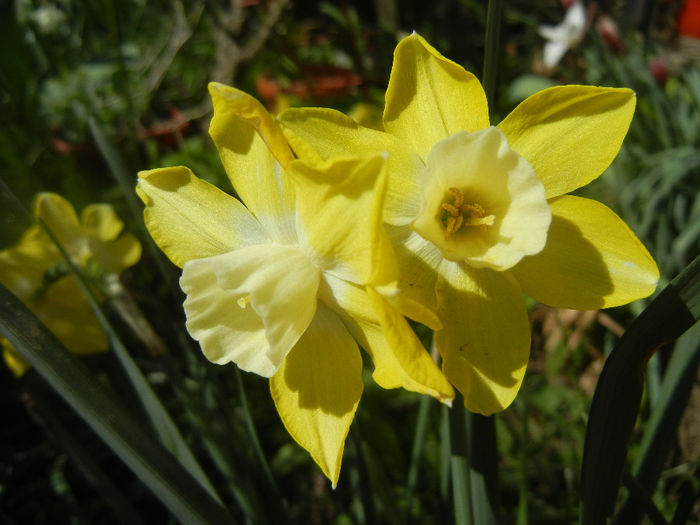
[(250, 306)]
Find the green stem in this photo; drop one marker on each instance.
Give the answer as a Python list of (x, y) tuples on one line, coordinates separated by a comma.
[(493, 35), (417, 452), (459, 464)]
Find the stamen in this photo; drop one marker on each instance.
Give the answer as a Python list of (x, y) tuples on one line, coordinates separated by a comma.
[(454, 218)]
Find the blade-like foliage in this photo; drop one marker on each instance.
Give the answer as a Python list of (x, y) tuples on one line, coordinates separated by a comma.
[(168, 480), (618, 394)]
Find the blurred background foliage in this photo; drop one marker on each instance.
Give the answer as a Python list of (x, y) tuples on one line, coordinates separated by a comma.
[(138, 70)]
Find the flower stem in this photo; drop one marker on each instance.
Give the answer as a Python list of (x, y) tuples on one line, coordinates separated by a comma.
[(493, 33)]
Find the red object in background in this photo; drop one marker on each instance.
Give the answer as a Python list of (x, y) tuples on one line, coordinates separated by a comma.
[(609, 32), (324, 81), (167, 132), (659, 70), (689, 19)]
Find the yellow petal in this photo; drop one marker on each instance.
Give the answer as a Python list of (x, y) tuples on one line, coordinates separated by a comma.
[(118, 255), (66, 312), (398, 356), (22, 266), (430, 97), (485, 342), (592, 259), (101, 222), (339, 218), (418, 261), (317, 389), (318, 134), (59, 215), (17, 364), (252, 148), (189, 218), (250, 306), (570, 134)]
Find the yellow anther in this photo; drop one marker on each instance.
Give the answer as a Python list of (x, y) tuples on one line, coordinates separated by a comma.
[(459, 196), (451, 209), (458, 214), (243, 302)]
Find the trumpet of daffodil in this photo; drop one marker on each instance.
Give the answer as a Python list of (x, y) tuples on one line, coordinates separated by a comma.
[(285, 285), (479, 214), (36, 272)]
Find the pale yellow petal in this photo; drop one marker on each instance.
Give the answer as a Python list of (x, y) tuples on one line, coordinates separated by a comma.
[(398, 356), (506, 215), (592, 259), (430, 97), (318, 134), (189, 218), (485, 342), (250, 306), (570, 134), (317, 389), (101, 222), (253, 150), (339, 218)]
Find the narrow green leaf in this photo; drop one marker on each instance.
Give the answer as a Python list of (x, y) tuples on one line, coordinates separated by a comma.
[(168, 480), (160, 420), (42, 411), (125, 178), (618, 394), (661, 429)]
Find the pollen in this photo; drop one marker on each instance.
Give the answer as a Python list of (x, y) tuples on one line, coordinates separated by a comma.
[(459, 213), (243, 302)]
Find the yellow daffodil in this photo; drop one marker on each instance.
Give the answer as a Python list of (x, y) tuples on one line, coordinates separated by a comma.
[(35, 271), (284, 285), (479, 214)]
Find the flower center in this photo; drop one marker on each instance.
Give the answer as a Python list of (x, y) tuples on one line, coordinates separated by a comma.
[(459, 213), (481, 202)]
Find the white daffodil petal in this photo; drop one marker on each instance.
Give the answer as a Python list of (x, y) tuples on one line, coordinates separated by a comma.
[(250, 306)]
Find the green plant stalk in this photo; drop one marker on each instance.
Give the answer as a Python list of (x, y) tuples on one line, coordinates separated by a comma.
[(416, 453), (162, 423), (169, 481), (459, 464), (125, 180), (618, 395), (483, 468), (492, 41), (522, 513)]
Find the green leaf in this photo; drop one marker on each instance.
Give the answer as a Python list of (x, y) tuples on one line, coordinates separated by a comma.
[(168, 480), (617, 397)]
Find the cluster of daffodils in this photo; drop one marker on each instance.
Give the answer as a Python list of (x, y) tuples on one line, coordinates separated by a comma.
[(36, 272), (344, 231)]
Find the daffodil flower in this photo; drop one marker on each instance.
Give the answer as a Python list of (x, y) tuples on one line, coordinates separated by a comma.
[(35, 271), (285, 285), (564, 36), (479, 215)]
